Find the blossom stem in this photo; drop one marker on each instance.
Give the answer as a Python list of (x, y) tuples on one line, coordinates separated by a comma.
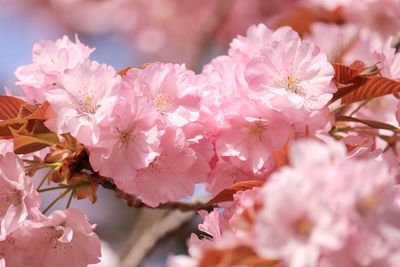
[(63, 194), (43, 180), (370, 123), (71, 196), (359, 107), (52, 188)]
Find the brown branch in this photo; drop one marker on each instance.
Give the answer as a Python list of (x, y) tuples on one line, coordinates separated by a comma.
[(135, 202)]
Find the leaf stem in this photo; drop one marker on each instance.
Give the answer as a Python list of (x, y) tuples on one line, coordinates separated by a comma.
[(53, 188), (63, 194), (43, 180), (71, 196)]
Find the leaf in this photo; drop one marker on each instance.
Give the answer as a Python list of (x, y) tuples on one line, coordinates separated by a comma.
[(26, 142), (124, 71), (39, 113), (281, 156), (10, 107), (227, 194), (358, 82), (17, 115), (374, 87), (371, 123), (236, 256), (348, 78)]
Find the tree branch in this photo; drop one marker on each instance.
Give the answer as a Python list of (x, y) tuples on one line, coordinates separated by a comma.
[(135, 202)]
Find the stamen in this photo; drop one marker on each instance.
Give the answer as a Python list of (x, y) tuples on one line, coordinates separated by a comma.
[(291, 84), (258, 129), (126, 137), (11, 198), (162, 103)]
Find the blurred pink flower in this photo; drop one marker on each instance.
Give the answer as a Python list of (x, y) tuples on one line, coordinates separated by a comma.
[(17, 196), (50, 60), (65, 238)]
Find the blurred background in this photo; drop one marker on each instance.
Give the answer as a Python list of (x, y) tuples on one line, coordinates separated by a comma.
[(134, 32)]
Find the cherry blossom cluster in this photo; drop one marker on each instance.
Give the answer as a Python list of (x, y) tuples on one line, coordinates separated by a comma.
[(156, 131), (325, 209), (271, 89), (27, 237)]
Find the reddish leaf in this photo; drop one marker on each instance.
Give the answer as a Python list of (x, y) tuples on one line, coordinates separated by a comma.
[(349, 80), (26, 142), (39, 113), (10, 107), (374, 87), (227, 194), (124, 71), (236, 256), (281, 157), (6, 125)]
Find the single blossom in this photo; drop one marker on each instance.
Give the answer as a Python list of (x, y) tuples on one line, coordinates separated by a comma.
[(169, 87), (173, 180), (63, 239), (17, 196), (50, 59), (259, 37), (251, 133), (82, 100), (129, 141), (291, 74)]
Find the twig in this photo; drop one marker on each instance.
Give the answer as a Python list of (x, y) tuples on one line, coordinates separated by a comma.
[(52, 188), (63, 194), (134, 201), (71, 196)]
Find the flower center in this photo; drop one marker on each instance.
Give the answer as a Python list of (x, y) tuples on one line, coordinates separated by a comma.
[(89, 105), (10, 198), (291, 84), (303, 227), (366, 204), (125, 137), (53, 235), (258, 129), (162, 103)]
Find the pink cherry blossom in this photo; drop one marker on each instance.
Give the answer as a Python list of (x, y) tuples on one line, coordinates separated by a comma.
[(173, 180), (81, 100), (223, 175), (250, 135), (343, 205), (291, 74), (259, 37), (17, 196), (168, 87), (65, 238), (129, 141), (50, 60), (6, 146), (298, 222)]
